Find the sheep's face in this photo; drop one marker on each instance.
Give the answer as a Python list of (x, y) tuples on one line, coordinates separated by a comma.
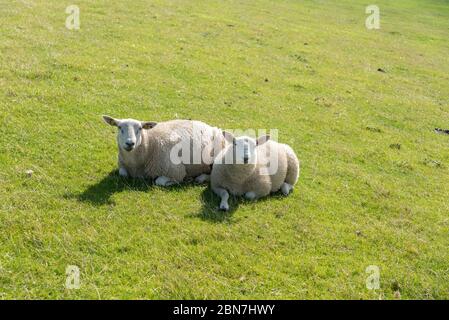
[(129, 135), (244, 148)]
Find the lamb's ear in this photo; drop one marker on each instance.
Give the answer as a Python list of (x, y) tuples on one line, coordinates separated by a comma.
[(262, 139), (111, 121), (228, 136), (148, 124)]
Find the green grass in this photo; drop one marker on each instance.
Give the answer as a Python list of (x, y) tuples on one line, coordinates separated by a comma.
[(307, 68)]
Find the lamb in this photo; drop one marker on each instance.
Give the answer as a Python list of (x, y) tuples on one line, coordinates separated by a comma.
[(245, 167), (168, 152)]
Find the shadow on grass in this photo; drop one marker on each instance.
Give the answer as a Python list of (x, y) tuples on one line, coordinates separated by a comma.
[(100, 193), (210, 203), (209, 209)]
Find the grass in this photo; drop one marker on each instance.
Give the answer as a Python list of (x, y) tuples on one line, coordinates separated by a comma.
[(373, 187)]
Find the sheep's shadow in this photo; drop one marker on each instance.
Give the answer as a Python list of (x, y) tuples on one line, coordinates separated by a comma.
[(210, 203), (210, 207), (101, 192)]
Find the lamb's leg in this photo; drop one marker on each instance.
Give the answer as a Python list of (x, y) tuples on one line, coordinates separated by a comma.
[(224, 195), (286, 188), (164, 181), (202, 178), (122, 172)]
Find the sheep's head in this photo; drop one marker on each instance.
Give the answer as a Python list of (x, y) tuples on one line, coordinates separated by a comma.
[(243, 148), (129, 135)]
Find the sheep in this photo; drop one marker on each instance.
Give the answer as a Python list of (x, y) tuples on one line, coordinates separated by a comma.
[(243, 168), (168, 152)]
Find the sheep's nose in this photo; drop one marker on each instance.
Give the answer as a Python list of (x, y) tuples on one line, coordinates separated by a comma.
[(130, 144), (245, 159)]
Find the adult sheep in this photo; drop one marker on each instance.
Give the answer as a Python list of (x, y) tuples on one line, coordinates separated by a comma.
[(166, 151), (253, 168)]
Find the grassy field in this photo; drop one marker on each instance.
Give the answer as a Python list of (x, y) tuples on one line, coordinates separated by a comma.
[(374, 183)]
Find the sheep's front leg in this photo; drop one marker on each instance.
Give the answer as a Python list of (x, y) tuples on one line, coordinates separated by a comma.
[(122, 172), (224, 195), (164, 181), (202, 178)]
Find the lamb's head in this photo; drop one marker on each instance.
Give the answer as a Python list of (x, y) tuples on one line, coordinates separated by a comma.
[(242, 150), (129, 135)]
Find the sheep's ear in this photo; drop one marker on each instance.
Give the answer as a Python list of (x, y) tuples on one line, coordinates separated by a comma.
[(148, 124), (263, 139), (111, 121), (228, 136)]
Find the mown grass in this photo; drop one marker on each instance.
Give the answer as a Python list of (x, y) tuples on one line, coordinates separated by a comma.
[(373, 187)]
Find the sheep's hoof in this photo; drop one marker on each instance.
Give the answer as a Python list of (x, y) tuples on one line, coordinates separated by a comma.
[(250, 195), (224, 206), (164, 181), (286, 188), (122, 172), (202, 178)]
